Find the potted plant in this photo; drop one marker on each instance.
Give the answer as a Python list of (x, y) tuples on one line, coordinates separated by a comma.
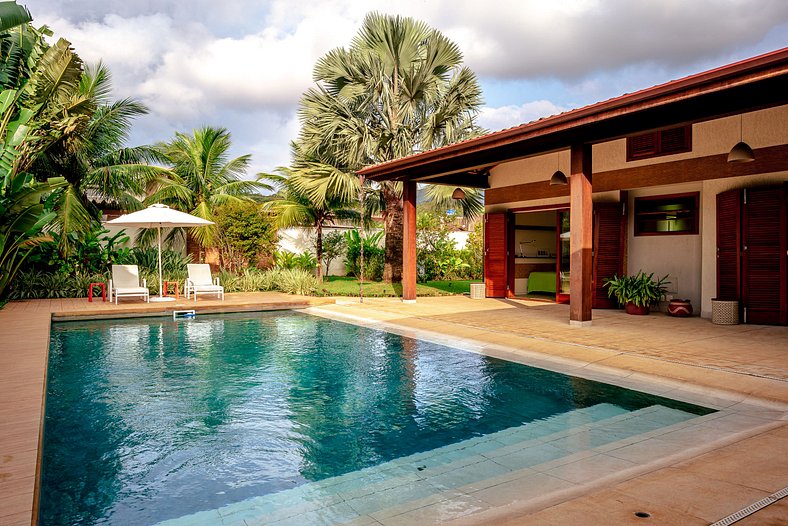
[(637, 293)]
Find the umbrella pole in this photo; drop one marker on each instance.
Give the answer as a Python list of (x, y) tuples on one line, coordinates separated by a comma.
[(160, 282)]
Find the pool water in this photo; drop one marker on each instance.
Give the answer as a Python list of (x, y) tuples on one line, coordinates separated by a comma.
[(153, 419)]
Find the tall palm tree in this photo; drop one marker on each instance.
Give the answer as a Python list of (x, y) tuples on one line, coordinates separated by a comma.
[(202, 178), (308, 198), (399, 89)]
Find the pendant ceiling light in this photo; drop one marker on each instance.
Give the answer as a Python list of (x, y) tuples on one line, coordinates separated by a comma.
[(458, 194), (559, 177), (741, 153)]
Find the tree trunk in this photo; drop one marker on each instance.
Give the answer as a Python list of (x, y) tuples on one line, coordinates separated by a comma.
[(319, 250), (193, 248), (392, 269)]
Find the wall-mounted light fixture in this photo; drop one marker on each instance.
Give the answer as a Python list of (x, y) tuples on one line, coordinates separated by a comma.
[(458, 194), (741, 152)]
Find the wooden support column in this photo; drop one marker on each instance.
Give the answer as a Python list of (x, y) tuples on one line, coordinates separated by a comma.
[(409, 241), (581, 240)]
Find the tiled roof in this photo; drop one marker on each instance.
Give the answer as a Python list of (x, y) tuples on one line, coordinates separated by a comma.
[(674, 87)]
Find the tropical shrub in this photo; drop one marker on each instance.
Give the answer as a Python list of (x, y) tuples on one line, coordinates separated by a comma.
[(305, 261), (22, 219), (295, 281), (437, 258), (290, 281), (473, 252), (247, 234), (334, 247), (34, 284), (373, 255), (285, 260), (91, 252), (641, 289)]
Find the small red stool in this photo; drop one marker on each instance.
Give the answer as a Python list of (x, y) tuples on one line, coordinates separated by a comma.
[(103, 291), (165, 289)]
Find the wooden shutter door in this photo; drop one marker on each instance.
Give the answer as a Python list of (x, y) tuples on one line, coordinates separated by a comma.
[(496, 254), (609, 232), (729, 245), (764, 256)]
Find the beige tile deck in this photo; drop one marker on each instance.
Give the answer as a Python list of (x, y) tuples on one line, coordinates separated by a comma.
[(715, 364)]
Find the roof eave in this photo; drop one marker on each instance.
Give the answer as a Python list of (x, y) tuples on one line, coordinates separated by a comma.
[(725, 77)]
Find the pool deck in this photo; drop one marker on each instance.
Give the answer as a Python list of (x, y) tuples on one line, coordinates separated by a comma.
[(724, 467)]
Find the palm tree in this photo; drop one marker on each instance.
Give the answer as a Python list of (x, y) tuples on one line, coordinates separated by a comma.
[(397, 90), (202, 178), (94, 158), (472, 205), (66, 125), (307, 197)]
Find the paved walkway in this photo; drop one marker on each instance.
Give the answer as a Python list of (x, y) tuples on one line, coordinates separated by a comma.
[(739, 366)]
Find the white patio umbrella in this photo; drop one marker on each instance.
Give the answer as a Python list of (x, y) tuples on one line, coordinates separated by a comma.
[(159, 216)]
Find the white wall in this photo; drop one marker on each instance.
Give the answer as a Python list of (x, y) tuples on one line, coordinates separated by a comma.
[(301, 239), (678, 256)]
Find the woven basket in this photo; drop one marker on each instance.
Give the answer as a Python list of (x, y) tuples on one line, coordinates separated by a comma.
[(477, 291), (724, 312)]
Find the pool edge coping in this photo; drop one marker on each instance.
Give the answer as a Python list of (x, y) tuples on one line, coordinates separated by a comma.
[(653, 383)]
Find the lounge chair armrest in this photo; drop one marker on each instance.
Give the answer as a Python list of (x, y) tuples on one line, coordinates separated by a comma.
[(145, 282)]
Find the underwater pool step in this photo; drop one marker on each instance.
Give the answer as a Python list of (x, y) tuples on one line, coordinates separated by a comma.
[(434, 473)]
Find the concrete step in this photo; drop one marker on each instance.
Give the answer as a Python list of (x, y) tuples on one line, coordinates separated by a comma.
[(417, 477)]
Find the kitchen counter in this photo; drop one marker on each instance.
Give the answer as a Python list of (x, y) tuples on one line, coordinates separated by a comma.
[(523, 261)]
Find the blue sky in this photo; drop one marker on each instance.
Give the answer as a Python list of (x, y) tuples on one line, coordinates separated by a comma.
[(243, 64)]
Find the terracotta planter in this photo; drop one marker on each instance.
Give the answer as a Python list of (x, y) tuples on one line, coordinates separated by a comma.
[(680, 308), (631, 308)]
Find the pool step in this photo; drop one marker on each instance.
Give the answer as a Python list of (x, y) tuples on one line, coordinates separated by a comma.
[(441, 471)]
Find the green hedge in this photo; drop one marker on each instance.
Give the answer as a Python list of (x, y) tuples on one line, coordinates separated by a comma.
[(36, 284)]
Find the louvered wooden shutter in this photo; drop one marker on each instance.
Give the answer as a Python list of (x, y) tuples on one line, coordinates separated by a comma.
[(496, 254), (609, 231), (674, 140), (642, 146), (729, 244), (764, 256)]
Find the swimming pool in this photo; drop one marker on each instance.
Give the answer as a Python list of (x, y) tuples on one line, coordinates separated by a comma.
[(151, 419)]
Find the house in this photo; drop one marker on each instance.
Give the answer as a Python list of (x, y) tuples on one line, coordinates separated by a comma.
[(686, 179)]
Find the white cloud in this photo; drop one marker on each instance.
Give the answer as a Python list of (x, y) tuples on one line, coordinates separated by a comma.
[(244, 64), (570, 40), (507, 116)]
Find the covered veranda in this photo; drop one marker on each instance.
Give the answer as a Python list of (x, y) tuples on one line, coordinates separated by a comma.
[(747, 86)]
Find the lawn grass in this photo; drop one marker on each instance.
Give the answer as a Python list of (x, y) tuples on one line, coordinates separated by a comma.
[(347, 286)]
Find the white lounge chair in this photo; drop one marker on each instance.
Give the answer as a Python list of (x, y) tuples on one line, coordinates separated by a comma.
[(199, 281), (126, 282)]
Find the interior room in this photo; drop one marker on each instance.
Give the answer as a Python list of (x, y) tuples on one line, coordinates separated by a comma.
[(535, 250)]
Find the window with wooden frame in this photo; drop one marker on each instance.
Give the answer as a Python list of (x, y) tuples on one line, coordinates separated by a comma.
[(665, 215), (661, 142)]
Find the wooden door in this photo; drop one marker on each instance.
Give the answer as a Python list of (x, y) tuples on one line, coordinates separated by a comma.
[(729, 245), (764, 238), (496, 254), (608, 253)]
